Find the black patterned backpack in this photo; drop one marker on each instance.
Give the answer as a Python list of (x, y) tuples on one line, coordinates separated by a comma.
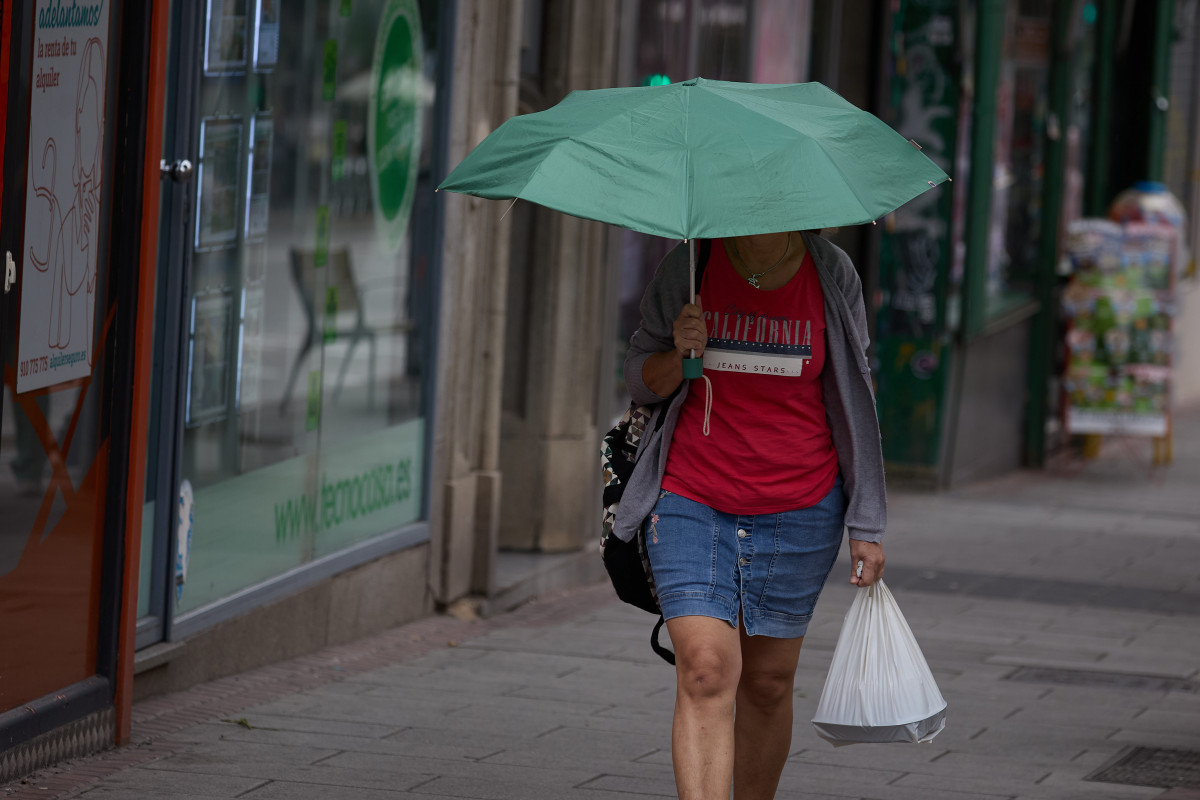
[(627, 563)]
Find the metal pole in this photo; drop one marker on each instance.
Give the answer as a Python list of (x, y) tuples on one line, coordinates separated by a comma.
[(989, 38), (1096, 202), (1042, 333), (692, 367), (1156, 138)]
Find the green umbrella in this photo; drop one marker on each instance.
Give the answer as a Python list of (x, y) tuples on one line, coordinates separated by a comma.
[(702, 159)]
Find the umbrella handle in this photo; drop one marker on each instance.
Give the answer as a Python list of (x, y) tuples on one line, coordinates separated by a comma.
[(692, 367)]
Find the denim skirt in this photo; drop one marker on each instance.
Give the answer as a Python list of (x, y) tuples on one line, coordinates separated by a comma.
[(769, 568)]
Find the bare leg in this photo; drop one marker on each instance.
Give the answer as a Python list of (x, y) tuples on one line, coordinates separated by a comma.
[(763, 730), (707, 665)]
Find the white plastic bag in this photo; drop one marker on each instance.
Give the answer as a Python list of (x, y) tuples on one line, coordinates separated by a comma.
[(879, 688)]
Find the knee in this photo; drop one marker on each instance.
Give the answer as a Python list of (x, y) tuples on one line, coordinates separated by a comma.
[(707, 673), (765, 688)]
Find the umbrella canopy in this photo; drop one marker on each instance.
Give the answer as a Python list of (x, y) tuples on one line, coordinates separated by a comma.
[(702, 159)]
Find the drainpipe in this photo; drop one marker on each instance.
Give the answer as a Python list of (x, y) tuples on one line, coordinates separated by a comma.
[(989, 42), (1042, 333), (1159, 90), (1096, 198)]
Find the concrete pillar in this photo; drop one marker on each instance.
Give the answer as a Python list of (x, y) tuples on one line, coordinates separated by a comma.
[(549, 431), (466, 480)]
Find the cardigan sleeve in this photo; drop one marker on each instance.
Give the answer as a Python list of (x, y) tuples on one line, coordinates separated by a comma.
[(851, 287), (850, 400), (661, 304)]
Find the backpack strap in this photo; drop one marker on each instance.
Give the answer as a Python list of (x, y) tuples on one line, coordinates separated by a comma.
[(665, 654)]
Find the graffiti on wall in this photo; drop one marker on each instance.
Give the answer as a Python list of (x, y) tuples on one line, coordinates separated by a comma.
[(915, 250)]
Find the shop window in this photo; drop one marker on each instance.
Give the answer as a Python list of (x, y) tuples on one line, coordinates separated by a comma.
[(1021, 116), (306, 329)]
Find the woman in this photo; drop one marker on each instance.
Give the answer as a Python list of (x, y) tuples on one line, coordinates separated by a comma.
[(756, 471)]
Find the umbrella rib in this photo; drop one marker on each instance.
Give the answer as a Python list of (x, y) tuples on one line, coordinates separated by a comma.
[(689, 178)]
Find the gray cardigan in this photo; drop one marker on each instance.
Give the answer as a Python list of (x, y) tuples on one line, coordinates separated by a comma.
[(845, 381)]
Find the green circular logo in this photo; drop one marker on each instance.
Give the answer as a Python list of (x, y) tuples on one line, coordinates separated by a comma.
[(394, 126)]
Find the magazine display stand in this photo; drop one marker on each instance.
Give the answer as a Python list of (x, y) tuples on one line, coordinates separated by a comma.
[(1119, 305)]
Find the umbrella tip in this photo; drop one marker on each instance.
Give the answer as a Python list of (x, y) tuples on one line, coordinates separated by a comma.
[(913, 142), (931, 183)]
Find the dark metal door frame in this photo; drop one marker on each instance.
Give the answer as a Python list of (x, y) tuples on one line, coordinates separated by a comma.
[(163, 470)]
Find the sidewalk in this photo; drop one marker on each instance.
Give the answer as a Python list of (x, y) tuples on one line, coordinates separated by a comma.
[(1060, 611)]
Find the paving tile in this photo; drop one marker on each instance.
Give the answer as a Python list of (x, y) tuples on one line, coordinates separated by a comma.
[(254, 753), (898, 758), (488, 779), (457, 786), (558, 774), (319, 775), (816, 777), (289, 790), (445, 679), (651, 787), (896, 792), (999, 770), (1150, 738), (437, 742), (1081, 715), (266, 723), (1162, 669), (430, 743), (165, 783), (111, 793), (1091, 791), (1043, 744), (590, 749)]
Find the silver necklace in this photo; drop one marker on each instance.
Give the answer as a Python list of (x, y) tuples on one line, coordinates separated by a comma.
[(754, 276)]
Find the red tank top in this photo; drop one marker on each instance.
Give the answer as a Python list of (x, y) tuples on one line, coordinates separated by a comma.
[(769, 448)]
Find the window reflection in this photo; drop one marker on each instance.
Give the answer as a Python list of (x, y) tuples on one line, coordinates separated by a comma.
[(304, 342)]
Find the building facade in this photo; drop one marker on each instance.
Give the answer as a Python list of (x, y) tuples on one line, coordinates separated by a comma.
[(266, 391)]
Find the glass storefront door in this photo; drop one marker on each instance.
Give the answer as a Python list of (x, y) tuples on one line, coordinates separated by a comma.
[(293, 319)]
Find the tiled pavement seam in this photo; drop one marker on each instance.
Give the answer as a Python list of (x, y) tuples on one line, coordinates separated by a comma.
[(1057, 591), (160, 716)]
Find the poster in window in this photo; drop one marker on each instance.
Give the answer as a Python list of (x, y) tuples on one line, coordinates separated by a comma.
[(394, 119), (258, 193), (59, 280), (225, 45), (217, 182), (266, 35), (208, 358)]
